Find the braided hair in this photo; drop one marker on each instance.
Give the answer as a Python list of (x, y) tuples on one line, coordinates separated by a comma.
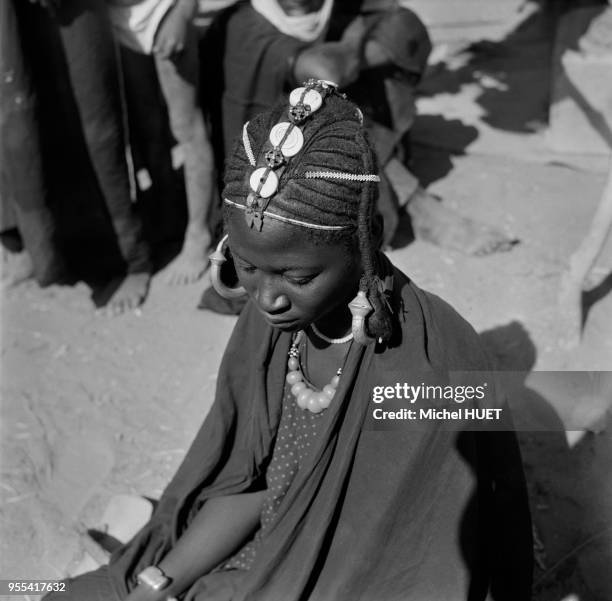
[(334, 143)]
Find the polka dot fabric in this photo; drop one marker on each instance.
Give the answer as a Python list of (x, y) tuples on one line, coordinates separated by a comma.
[(297, 434)]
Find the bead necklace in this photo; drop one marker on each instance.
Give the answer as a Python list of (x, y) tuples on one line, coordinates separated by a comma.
[(306, 395), (330, 340)]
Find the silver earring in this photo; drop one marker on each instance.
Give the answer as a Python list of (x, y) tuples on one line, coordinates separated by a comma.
[(360, 308), (217, 259)]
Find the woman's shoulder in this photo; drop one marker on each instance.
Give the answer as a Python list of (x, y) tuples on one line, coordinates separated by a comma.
[(450, 339)]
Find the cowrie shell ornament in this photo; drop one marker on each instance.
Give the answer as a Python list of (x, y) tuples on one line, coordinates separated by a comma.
[(292, 144)]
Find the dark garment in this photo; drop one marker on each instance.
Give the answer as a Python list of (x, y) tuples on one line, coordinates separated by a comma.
[(91, 56), (75, 57), (372, 515), (93, 586), (23, 192), (247, 63)]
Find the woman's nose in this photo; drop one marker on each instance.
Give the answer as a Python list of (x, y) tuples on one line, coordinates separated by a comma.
[(269, 298)]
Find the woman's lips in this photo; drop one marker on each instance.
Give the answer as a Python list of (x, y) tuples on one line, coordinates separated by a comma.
[(274, 321)]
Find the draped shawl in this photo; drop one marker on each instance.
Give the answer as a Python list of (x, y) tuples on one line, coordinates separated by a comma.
[(427, 515)]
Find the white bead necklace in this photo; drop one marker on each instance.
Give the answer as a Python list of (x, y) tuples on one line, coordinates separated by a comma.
[(306, 396), (330, 340)]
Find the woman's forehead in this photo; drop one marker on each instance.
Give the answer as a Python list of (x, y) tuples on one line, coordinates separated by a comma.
[(277, 242)]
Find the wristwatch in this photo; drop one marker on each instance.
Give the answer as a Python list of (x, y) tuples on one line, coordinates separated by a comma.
[(154, 578)]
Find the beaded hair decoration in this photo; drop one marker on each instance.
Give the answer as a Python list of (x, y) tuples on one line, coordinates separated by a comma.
[(286, 140)]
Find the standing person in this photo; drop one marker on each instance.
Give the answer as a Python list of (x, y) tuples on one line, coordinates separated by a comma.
[(290, 492), (165, 29), (23, 190), (90, 58)]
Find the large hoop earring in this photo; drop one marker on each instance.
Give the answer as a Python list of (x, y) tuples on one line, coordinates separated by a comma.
[(360, 308), (217, 259)]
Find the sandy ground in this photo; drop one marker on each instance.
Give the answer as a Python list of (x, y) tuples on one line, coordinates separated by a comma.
[(93, 407)]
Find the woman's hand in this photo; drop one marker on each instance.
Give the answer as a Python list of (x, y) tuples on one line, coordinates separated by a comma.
[(219, 528)]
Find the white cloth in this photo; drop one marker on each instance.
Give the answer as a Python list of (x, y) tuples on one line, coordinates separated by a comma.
[(135, 23), (307, 28)]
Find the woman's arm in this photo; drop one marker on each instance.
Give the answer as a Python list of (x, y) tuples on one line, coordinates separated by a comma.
[(219, 529)]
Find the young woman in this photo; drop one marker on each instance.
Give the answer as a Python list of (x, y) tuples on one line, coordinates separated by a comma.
[(289, 492)]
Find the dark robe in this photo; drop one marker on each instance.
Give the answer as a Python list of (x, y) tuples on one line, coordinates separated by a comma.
[(412, 515)]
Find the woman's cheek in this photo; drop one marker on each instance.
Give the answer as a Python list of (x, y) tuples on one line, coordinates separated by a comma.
[(247, 280)]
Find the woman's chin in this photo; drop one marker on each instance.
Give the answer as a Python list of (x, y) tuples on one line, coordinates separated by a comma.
[(289, 325)]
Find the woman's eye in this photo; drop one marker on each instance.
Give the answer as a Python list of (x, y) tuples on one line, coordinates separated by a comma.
[(300, 281), (245, 267)]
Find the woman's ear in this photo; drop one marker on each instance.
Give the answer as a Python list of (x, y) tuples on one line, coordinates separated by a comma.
[(377, 230)]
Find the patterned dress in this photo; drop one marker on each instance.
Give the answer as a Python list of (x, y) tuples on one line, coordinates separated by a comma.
[(298, 431)]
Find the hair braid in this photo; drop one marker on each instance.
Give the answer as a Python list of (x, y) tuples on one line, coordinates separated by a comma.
[(379, 324)]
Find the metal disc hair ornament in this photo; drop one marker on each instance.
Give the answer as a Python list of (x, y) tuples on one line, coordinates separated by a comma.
[(286, 140), (287, 137), (264, 182)]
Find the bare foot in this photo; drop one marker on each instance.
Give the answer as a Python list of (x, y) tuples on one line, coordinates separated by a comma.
[(16, 268), (190, 265), (434, 222), (130, 294)]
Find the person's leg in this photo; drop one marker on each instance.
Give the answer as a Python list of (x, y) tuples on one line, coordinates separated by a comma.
[(150, 144), (436, 223), (179, 79), (399, 39), (23, 186), (92, 63), (15, 264)]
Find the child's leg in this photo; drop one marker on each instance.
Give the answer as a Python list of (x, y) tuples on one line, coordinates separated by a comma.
[(178, 78)]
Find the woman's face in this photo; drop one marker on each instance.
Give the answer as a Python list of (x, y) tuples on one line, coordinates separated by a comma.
[(293, 281)]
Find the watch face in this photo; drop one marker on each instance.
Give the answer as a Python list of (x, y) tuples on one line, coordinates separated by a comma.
[(153, 577)]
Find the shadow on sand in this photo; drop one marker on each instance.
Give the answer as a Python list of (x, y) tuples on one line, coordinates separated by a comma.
[(570, 491)]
